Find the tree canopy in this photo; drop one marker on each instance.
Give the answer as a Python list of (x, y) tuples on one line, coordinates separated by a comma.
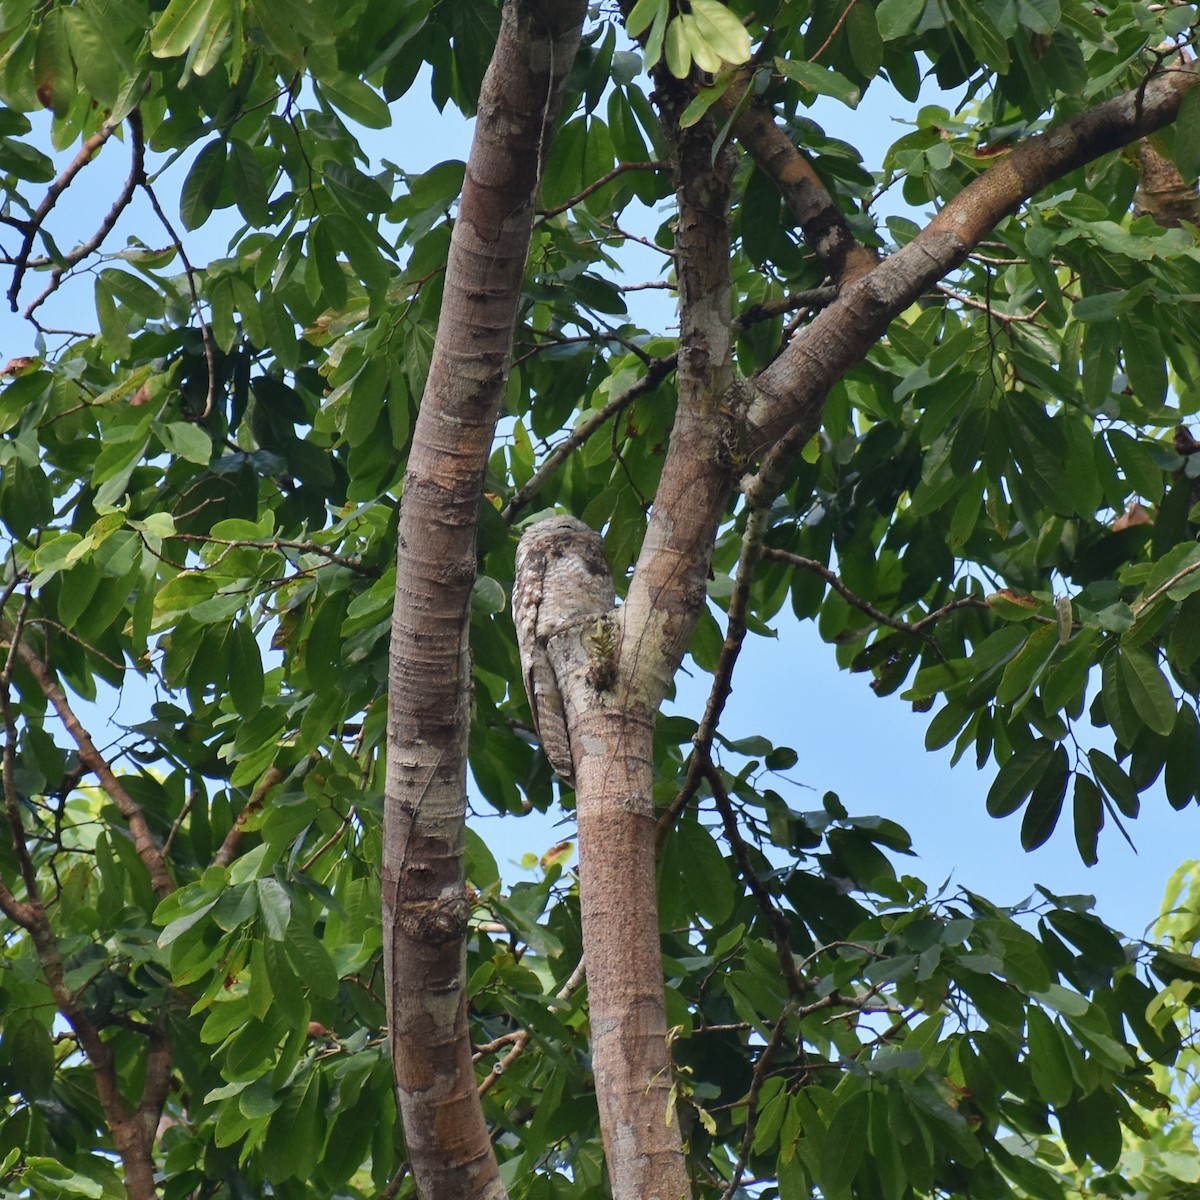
[(275, 500)]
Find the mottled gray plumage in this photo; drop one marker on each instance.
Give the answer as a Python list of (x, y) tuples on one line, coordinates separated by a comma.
[(562, 581)]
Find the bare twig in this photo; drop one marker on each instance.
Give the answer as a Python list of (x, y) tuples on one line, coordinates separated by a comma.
[(520, 1038), (722, 685), (833, 32), (659, 368), (756, 1083), (769, 309), (139, 829), (781, 930), (190, 273), (32, 911), (86, 153), (983, 306), (301, 547), (605, 179), (916, 628), (137, 175)]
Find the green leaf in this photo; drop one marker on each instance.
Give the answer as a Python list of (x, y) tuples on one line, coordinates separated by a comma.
[(1186, 149), (249, 182), (1148, 689), (722, 31), (1045, 801), (678, 49), (709, 878), (53, 66), (1091, 1129), (820, 80), (275, 905), (245, 670), (202, 185), (186, 440), (641, 15), (1048, 1059), (1027, 667), (358, 100), (1115, 781), (845, 1143), (1017, 777), (1182, 774), (181, 23), (898, 17), (311, 961)]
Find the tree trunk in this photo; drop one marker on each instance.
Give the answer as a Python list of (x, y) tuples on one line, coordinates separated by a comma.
[(425, 907)]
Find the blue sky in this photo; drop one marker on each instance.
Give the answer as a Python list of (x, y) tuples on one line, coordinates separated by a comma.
[(868, 750)]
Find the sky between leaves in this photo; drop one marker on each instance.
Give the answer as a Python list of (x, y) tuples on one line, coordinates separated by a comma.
[(788, 689)]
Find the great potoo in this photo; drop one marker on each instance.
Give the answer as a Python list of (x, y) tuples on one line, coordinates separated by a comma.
[(562, 583)]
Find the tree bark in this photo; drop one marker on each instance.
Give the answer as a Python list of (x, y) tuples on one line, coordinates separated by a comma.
[(721, 421), (612, 734), (791, 392), (425, 908)]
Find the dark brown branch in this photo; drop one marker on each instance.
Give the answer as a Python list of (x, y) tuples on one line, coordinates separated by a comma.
[(607, 178), (137, 175), (818, 214), (86, 153)]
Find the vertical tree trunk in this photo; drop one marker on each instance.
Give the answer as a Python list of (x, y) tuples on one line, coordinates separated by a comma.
[(612, 735), (424, 906)]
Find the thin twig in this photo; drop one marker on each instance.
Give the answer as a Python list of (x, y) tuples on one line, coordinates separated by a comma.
[(769, 309), (301, 547), (659, 368), (607, 178), (916, 628), (520, 1038), (135, 818), (12, 798), (756, 1084), (210, 357), (137, 175), (722, 685), (781, 930), (228, 850), (833, 32), (86, 153)]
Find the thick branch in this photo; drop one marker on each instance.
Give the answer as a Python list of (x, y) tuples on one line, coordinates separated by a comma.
[(820, 218), (791, 391)]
